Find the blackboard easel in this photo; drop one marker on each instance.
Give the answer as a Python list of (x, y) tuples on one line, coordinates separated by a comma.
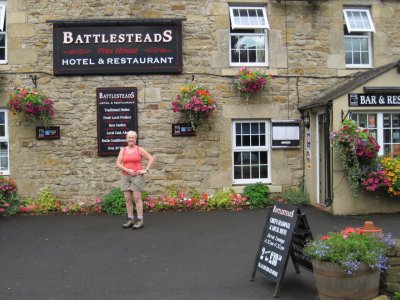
[(285, 234)]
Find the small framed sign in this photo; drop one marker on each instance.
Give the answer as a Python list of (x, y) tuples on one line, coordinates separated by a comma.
[(182, 129), (48, 133)]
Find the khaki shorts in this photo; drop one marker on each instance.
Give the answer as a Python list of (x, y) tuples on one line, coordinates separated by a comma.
[(132, 183)]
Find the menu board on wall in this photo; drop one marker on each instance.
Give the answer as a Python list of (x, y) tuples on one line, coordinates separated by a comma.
[(116, 115)]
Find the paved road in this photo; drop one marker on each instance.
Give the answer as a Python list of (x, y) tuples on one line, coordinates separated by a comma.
[(177, 255)]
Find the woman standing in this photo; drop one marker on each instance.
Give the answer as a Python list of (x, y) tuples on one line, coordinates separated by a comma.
[(132, 181)]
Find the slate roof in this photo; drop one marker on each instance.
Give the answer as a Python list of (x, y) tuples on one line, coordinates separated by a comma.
[(346, 86)]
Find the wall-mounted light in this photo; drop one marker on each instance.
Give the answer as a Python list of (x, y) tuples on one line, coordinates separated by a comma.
[(306, 121)]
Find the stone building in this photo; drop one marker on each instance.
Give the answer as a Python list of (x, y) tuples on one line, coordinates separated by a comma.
[(308, 46)]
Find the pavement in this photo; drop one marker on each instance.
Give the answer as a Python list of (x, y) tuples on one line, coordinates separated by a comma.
[(177, 255)]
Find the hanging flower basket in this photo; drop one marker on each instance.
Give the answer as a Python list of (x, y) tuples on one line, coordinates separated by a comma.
[(250, 82), (195, 102), (36, 106)]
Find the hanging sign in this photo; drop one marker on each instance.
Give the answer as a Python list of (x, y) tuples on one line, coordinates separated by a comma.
[(47, 133), (116, 115), (359, 100), (183, 129), (285, 233), (117, 46)]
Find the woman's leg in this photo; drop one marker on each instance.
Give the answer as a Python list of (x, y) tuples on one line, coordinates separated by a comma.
[(139, 204), (129, 204), (139, 210)]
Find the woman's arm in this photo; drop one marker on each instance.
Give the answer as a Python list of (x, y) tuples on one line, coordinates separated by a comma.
[(148, 157)]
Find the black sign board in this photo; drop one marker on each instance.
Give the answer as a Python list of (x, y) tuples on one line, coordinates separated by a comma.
[(182, 129), (301, 236), (283, 236), (362, 100), (47, 133), (117, 46), (116, 115)]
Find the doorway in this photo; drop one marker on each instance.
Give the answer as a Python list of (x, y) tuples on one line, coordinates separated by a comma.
[(324, 162)]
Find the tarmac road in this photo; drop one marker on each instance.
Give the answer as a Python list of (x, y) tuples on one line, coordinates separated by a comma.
[(177, 255)]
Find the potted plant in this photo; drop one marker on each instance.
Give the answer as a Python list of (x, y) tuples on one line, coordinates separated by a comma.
[(35, 105), (196, 102), (250, 82), (347, 264)]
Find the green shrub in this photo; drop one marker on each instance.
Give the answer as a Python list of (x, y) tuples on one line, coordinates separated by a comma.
[(114, 202), (397, 295), (172, 191), (9, 199), (10, 206), (222, 199), (46, 201), (257, 194), (296, 197), (144, 195)]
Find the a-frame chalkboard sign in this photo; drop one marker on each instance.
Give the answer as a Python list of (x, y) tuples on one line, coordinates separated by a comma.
[(285, 234)]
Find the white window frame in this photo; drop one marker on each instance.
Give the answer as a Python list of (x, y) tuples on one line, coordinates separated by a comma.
[(364, 32), (260, 30), (266, 148), (237, 25), (3, 30), (379, 127), (5, 139), (368, 37), (351, 26)]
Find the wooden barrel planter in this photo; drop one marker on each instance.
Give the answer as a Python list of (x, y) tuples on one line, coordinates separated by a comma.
[(333, 283)]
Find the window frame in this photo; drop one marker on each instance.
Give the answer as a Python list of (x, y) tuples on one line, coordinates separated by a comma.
[(353, 32), (240, 26), (379, 127), (5, 139), (348, 22), (366, 36), (253, 30), (3, 28), (266, 148)]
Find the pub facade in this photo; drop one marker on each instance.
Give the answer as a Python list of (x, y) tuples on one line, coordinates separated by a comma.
[(114, 66)]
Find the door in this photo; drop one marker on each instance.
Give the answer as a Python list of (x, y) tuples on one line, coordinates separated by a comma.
[(324, 162)]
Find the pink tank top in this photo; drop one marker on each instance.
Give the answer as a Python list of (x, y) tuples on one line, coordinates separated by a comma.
[(132, 160)]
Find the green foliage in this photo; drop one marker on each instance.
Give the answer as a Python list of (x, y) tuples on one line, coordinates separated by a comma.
[(114, 202), (9, 200), (144, 195), (222, 199), (172, 191), (9, 206), (257, 194), (295, 197), (195, 194), (46, 201), (397, 296)]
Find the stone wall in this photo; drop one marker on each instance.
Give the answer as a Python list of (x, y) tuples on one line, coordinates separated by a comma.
[(390, 281), (306, 57)]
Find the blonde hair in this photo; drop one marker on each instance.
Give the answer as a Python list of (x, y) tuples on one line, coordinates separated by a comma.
[(131, 133)]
